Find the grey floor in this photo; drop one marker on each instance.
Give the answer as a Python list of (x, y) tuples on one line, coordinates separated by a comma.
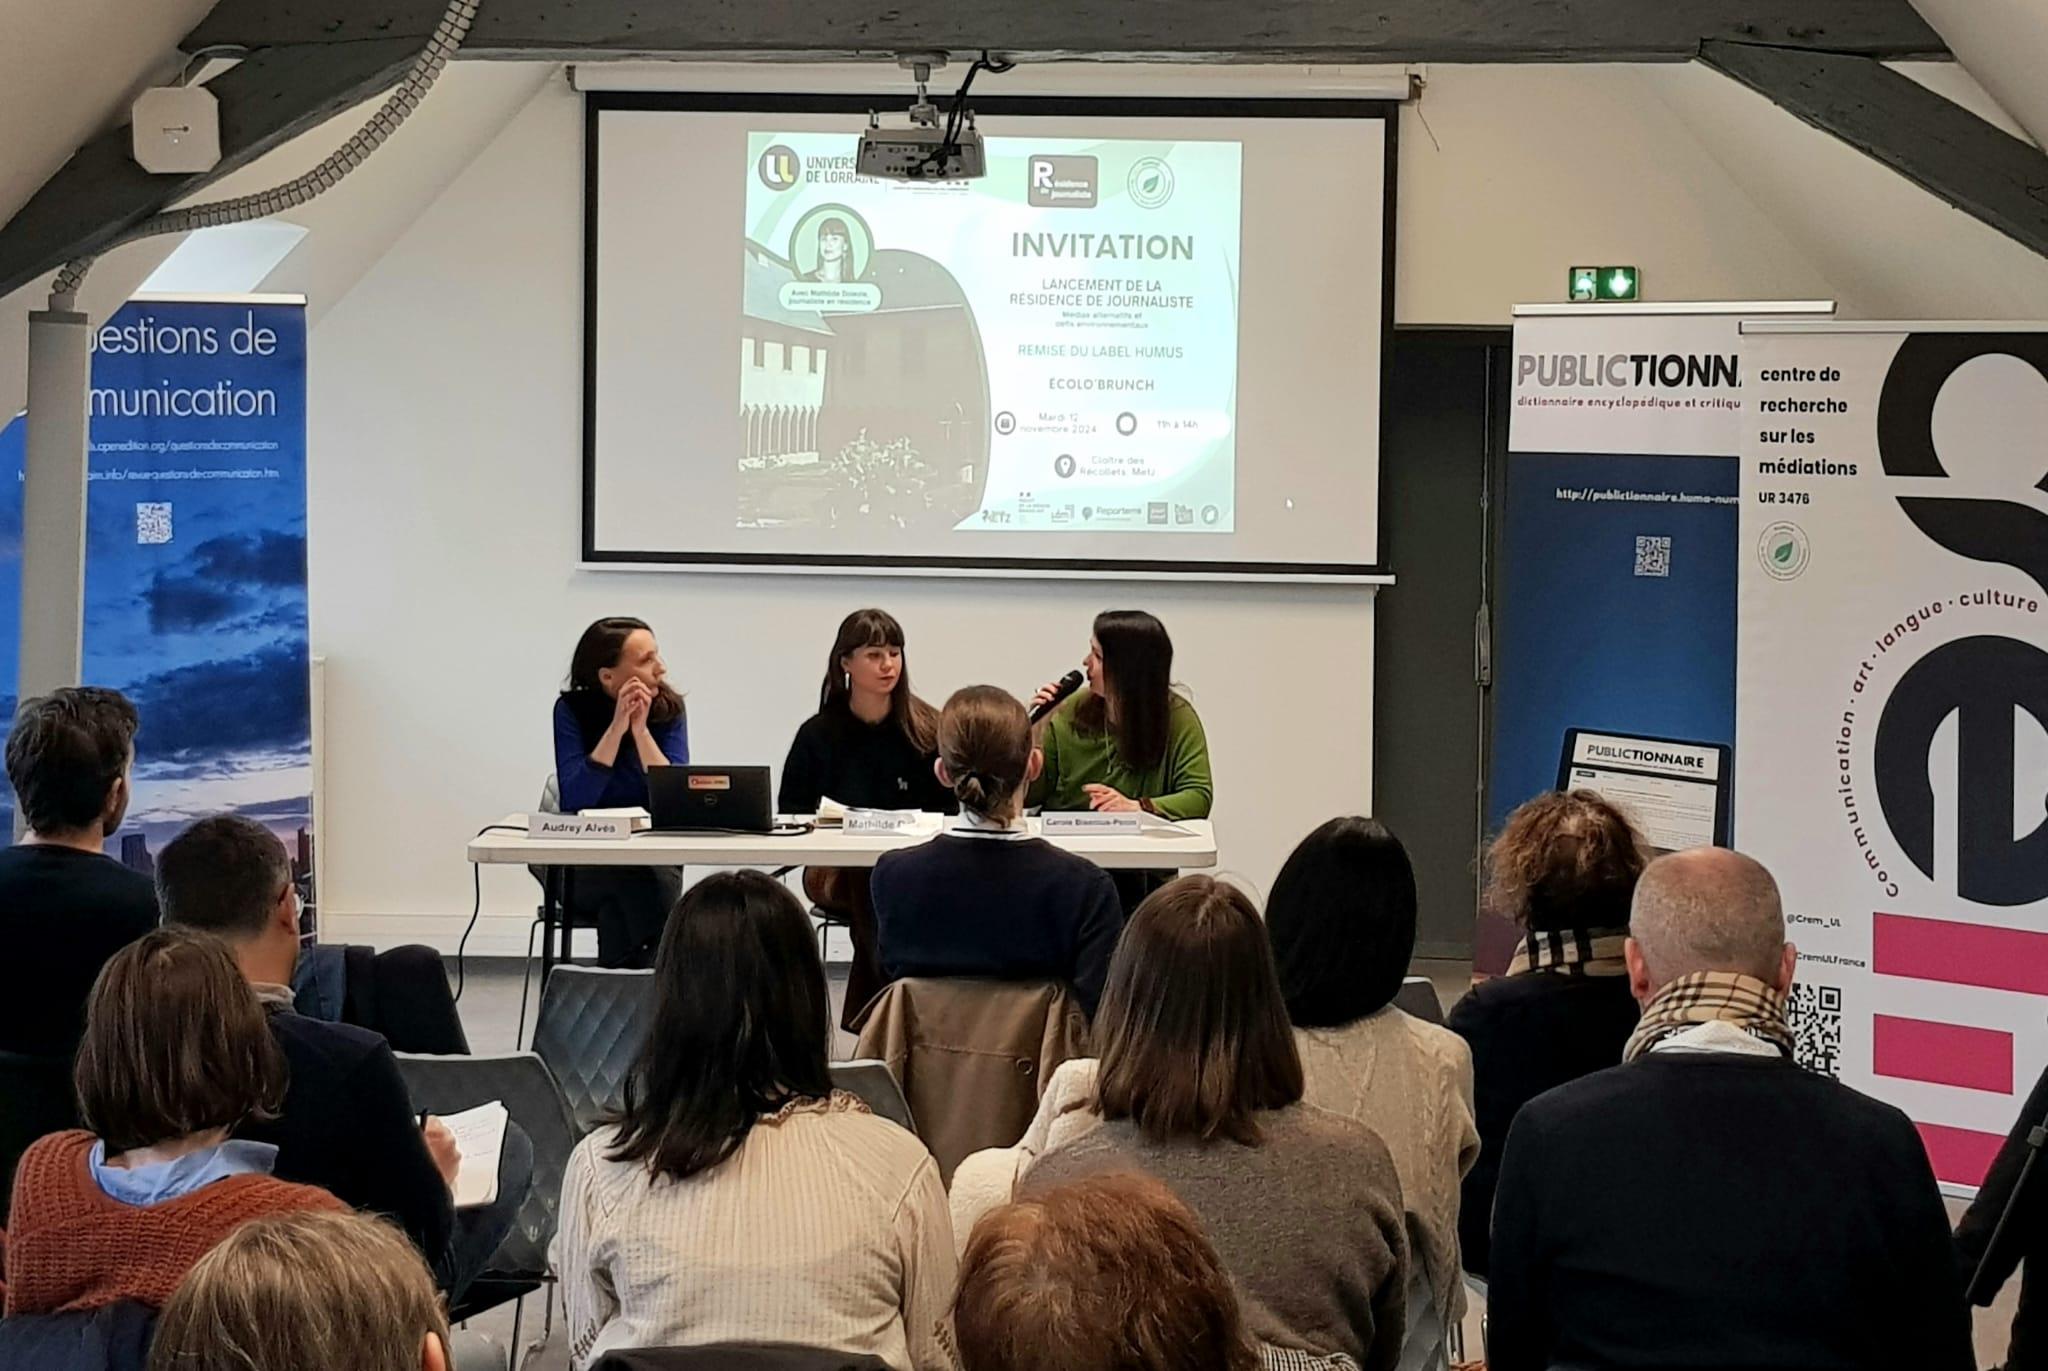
[(491, 1015)]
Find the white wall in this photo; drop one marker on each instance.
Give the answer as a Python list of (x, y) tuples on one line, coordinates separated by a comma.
[(1512, 174), (446, 445), (445, 597)]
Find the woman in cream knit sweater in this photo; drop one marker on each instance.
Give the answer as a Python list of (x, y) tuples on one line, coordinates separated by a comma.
[(1342, 921)]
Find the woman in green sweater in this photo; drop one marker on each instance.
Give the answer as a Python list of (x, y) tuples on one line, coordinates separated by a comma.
[(1128, 741)]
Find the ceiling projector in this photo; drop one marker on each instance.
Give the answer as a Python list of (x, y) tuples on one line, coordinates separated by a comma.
[(921, 153), (932, 147)]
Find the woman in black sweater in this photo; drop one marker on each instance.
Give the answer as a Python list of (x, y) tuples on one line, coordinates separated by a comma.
[(987, 898), (871, 745), (1564, 867)]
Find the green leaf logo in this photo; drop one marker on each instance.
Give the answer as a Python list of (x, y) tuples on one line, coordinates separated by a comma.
[(1150, 183), (1782, 551)]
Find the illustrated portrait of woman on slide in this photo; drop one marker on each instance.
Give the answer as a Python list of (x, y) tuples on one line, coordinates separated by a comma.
[(1129, 739), (617, 717), (835, 254), (871, 745)]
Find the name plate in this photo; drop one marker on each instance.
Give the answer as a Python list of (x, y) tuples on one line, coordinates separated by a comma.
[(594, 826), (1089, 821), (881, 820)]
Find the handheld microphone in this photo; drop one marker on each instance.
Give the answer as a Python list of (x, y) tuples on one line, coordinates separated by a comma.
[(1068, 684)]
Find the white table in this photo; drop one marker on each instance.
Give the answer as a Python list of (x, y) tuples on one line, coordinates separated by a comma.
[(1146, 850), (506, 843)]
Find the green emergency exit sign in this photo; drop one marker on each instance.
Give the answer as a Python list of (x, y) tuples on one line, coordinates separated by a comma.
[(1586, 285)]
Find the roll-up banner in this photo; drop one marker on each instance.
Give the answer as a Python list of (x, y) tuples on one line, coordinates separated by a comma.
[(195, 575), (1892, 706), (1616, 608)]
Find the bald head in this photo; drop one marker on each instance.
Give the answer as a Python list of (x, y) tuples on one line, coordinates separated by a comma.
[(1708, 909)]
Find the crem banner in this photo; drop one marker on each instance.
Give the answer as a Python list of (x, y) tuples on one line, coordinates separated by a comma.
[(1892, 706)]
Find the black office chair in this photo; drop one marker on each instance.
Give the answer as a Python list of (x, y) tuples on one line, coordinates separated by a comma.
[(114, 1337), (1417, 996), (591, 1024), (877, 1088), (401, 994), (35, 1098), (449, 1085)]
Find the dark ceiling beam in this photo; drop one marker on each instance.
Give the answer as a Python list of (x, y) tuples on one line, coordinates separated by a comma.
[(1933, 142), (306, 61), (1323, 31), (269, 98)]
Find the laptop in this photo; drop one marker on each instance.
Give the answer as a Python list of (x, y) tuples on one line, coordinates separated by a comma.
[(699, 799)]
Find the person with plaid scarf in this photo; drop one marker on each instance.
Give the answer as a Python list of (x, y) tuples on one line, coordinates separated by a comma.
[(1708, 1202)]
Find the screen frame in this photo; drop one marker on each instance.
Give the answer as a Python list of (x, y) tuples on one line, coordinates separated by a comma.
[(597, 103)]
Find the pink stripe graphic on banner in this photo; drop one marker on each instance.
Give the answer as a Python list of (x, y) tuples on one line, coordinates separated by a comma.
[(1959, 953), (1960, 1156), (1942, 1053)]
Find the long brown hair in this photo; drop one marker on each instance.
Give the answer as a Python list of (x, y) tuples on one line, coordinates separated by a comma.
[(1193, 1033), (176, 1043), (598, 648), (740, 1026), (985, 742), (1137, 667), (1110, 1273), (878, 628), (309, 1291), (1566, 859)]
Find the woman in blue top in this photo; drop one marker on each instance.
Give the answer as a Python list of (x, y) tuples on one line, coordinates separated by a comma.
[(618, 717)]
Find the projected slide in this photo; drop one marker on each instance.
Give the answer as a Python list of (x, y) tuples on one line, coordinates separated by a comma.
[(1053, 348), (1148, 341)]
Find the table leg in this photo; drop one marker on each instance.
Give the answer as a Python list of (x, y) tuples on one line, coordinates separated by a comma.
[(564, 920), (551, 912)]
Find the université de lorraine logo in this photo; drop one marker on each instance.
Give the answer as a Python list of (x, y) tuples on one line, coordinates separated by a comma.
[(779, 167)]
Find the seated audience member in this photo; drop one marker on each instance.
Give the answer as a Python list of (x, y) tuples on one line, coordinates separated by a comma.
[(1342, 921), (175, 1055), (739, 1198), (65, 906), (2025, 1239), (1709, 1202), (988, 899), (347, 1125), (1199, 1084), (1107, 1274), (1563, 868), (305, 1292)]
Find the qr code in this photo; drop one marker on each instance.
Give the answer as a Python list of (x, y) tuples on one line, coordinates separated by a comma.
[(153, 523), (1815, 1014), (1653, 556)]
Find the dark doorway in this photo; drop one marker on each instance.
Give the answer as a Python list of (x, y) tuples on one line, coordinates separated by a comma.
[(1443, 437)]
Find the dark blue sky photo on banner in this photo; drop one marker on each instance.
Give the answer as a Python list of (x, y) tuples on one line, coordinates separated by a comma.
[(1617, 608), (195, 583)]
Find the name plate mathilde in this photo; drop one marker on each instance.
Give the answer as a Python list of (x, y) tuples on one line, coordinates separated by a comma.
[(598, 827), (881, 820), (1079, 822)]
